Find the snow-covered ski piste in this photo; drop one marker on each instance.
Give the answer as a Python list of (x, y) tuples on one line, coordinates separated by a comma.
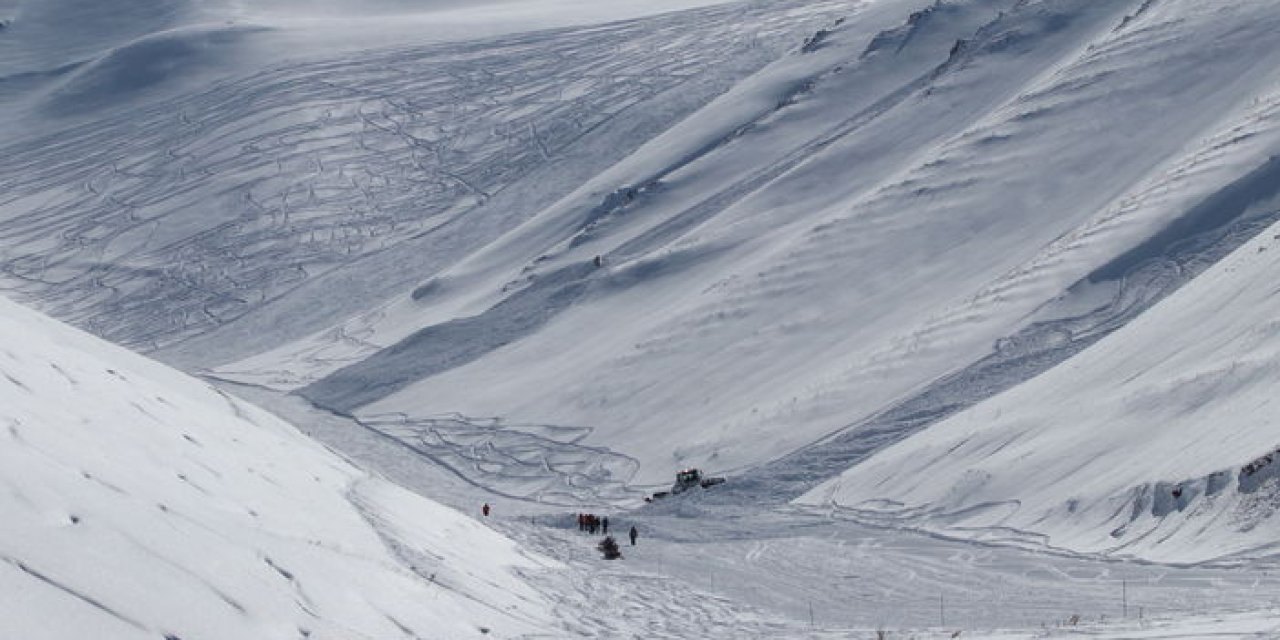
[(972, 304)]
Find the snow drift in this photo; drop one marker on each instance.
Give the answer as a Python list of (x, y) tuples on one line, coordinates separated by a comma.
[(171, 61)]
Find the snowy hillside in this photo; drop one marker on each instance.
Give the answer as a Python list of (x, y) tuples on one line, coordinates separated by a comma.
[(972, 303), (560, 249), (864, 217), (313, 190), (1159, 441), (140, 503)]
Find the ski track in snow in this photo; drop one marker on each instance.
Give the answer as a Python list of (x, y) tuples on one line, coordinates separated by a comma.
[(300, 170), (542, 463)]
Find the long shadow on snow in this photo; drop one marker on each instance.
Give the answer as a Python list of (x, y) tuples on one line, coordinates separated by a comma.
[(442, 347), (1140, 277), (452, 344)]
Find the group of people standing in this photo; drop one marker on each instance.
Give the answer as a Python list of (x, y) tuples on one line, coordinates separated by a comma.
[(588, 522), (591, 523)]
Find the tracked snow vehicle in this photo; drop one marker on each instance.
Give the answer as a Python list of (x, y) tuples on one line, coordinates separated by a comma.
[(686, 480), (690, 478)]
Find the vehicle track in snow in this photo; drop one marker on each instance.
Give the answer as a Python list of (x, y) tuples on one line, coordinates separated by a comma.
[(812, 573), (545, 464)]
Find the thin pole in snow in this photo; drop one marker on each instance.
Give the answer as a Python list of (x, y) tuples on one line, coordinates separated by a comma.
[(1124, 597), (942, 609), (811, 624)]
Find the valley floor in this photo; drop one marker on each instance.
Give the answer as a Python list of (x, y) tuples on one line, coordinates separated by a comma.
[(739, 568), (797, 575)]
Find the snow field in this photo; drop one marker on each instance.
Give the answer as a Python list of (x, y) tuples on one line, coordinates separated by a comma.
[(139, 503), (768, 272), (774, 570), (1004, 267), (1169, 462)]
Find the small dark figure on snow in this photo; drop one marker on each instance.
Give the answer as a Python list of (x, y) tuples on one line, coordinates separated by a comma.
[(633, 535), (485, 509), (609, 547), (604, 526), (598, 261)]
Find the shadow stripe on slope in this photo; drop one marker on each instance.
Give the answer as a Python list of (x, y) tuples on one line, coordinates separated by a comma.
[(23, 567), (439, 348), (442, 347), (1138, 278)]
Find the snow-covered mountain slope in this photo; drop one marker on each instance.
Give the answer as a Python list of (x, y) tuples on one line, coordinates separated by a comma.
[(140, 503), (1159, 441), (565, 261), (79, 59), (182, 219), (908, 204), (41, 36)]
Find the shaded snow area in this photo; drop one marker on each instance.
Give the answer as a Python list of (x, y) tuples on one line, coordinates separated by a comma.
[(140, 503)]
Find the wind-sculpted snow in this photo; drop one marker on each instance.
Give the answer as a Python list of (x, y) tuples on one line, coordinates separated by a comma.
[(129, 72), (181, 216), (44, 35)]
